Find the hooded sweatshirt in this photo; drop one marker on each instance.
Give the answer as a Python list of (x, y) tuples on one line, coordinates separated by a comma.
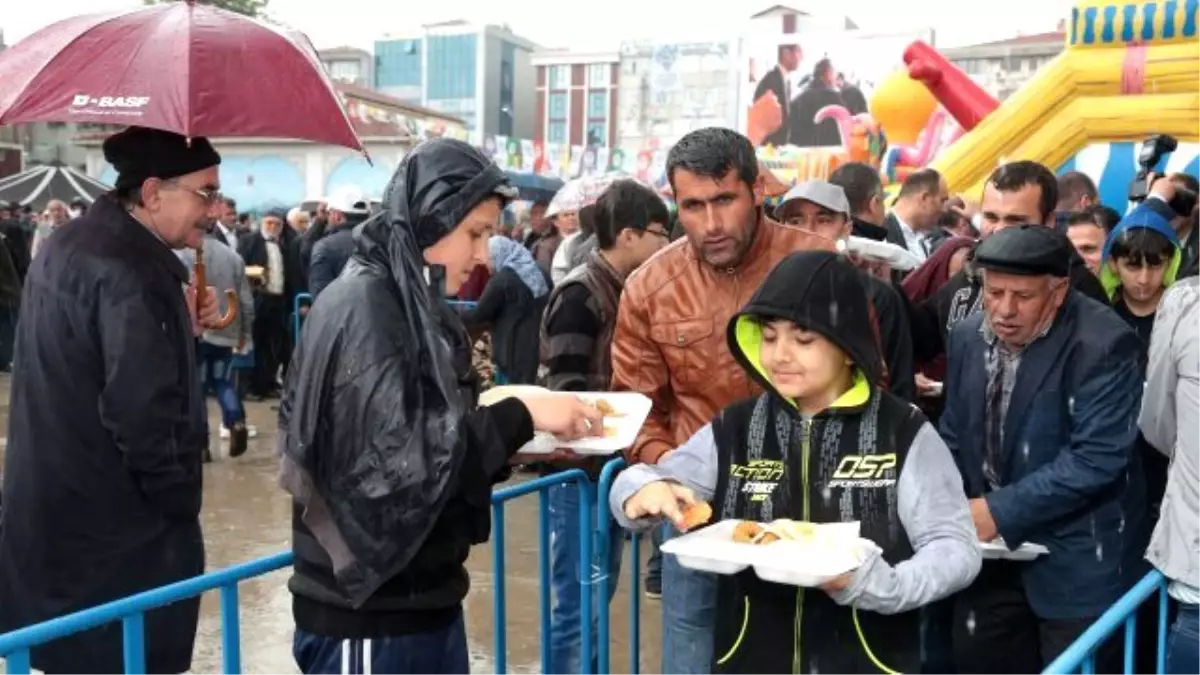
[(870, 457)]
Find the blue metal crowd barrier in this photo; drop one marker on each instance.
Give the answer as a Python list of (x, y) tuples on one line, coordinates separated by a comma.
[(15, 646), (131, 612), (1080, 657), (594, 544)]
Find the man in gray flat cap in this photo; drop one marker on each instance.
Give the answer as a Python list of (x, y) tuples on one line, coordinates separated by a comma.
[(107, 426), (1043, 390)]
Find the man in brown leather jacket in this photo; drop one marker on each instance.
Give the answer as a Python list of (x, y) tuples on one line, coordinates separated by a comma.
[(670, 337)]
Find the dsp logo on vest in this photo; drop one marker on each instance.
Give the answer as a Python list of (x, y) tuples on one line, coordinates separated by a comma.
[(865, 471)]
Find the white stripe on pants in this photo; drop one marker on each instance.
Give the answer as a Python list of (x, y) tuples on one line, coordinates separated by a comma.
[(356, 657)]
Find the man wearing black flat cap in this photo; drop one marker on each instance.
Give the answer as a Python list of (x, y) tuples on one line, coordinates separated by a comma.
[(1043, 390), (107, 425)]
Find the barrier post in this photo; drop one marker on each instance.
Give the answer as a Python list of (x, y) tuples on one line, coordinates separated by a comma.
[(499, 610), (134, 639), (17, 662), (604, 545), (586, 585), (231, 631), (635, 608), (544, 573)]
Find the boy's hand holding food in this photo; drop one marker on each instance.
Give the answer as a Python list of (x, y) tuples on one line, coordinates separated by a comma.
[(668, 500)]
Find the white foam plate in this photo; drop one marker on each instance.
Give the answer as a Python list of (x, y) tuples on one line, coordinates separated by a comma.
[(632, 409), (882, 251), (712, 549), (998, 550)]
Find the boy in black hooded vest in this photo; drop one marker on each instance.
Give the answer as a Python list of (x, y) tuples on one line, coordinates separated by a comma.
[(825, 444)]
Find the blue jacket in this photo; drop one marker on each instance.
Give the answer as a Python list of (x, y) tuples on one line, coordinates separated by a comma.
[(329, 257), (1071, 480)]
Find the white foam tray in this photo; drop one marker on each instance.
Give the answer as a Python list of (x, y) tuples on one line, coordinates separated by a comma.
[(712, 549), (632, 409), (998, 550)]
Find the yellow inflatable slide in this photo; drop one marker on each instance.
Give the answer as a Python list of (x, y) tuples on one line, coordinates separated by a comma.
[(1128, 71)]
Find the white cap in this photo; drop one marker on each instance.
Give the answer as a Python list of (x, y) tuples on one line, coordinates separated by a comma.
[(349, 199)]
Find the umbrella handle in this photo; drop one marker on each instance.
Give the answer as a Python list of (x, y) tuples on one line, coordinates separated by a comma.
[(201, 281)]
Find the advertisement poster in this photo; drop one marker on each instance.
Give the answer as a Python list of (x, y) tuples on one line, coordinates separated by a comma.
[(787, 79)]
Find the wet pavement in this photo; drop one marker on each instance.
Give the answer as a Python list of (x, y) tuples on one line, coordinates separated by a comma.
[(247, 516)]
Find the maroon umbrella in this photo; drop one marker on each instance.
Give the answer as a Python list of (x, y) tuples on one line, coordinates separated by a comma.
[(192, 69)]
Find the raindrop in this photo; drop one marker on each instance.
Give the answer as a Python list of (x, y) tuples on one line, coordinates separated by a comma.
[(826, 493), (1121, 525), (812, 667), (971, 623), (833, 312), (1100, 551), (1071, 405), (1025, 451)]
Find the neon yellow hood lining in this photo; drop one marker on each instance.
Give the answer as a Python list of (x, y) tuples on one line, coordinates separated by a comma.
[(748, 334), (1111, 281)]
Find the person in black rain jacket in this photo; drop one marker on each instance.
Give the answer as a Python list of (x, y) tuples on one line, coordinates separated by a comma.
[(388, 460)]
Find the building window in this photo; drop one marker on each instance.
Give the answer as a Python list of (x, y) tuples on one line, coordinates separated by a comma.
[(599, 75), (556, 132), (560, 77), (345, 71), (558, 106), (597, 105), (597, 133)]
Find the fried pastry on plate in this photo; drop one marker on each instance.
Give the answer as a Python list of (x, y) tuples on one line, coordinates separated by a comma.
[(746, 532), (696, 515)]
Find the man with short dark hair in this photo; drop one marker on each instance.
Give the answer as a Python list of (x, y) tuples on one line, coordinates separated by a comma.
[(227, 231), (914, 216), (1076, 192), (670, 337), (539, 227), (576, 340), (1043, 389), (864, 191)]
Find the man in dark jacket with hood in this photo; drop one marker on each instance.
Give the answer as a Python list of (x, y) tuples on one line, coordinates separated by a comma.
[(105, 502), (387, 456), (329, 255)]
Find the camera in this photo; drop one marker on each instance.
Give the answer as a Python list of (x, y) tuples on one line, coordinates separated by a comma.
[(1152, 151)]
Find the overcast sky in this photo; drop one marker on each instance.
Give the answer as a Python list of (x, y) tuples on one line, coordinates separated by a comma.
[(599, 25)]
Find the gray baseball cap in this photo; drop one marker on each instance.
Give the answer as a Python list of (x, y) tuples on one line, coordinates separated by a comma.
[(821, 193)]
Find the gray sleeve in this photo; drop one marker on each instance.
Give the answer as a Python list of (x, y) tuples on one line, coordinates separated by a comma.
[(693, 464), (935, 514), (1157, 420)]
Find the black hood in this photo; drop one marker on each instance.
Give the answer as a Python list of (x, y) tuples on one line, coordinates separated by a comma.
[(433, 189), (819, 292)]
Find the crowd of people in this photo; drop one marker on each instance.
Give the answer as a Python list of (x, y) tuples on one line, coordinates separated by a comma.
[(1033, 379)]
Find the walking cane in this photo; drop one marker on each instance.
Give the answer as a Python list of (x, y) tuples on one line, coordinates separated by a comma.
[(231, 296)]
